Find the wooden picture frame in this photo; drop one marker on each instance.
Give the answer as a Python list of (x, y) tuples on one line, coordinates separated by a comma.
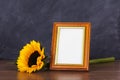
[(70, 46)]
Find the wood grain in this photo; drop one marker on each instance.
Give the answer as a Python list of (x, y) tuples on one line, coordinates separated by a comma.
[(104, 71)]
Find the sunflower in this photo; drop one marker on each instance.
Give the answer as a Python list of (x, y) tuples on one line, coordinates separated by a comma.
[(31, 57)]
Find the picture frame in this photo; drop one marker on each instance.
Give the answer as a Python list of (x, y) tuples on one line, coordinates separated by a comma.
[(70, 46)]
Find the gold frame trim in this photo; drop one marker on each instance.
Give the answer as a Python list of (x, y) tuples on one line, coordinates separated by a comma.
[(58, 36)]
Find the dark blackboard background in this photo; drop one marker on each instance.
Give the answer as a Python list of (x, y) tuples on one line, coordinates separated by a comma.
[(24, 20)]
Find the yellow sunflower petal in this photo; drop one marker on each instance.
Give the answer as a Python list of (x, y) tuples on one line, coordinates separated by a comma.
[(24, 55)]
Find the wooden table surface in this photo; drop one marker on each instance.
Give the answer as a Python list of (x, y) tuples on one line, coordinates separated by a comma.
[(102, 71)]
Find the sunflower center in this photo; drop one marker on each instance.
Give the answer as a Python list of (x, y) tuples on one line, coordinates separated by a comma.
[(33, 58)]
